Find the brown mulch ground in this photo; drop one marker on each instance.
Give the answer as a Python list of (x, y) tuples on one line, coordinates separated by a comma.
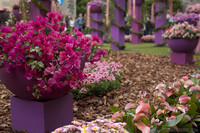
[(140, 72)]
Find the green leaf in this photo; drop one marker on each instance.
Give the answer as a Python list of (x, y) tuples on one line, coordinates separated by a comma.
[(154, 130), (114, 109), (32, 49), (33, 66), (30, 62), (164, 130), (198, 119), (170, 100), (129, 123), (40, 64), (192, 109), (30, 56), (173, 122), (153, 110)]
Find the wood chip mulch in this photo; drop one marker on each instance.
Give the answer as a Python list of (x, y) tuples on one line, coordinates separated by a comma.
[(140, 72)]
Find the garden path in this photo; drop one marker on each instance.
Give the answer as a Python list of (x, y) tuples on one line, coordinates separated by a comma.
[(140, 72)]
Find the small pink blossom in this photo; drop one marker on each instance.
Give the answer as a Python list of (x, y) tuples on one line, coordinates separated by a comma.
[(184, 98)]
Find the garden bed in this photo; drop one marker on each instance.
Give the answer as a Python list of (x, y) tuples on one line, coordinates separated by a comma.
[(140, 72)]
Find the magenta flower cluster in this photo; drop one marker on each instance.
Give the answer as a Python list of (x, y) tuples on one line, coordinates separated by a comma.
[(96, 3), (191, 18), (97, 126), (193, 8), (46, 53)]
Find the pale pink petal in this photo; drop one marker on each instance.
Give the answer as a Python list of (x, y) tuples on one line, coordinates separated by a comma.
[(140, 115), (160, 86), (158, 124), (168, 93), (142, 127), (142, 107), (130, 106), (185, 78), (195, 88), (187, 117), (159, 112), (188, 83), (184, 98), (153, 120)]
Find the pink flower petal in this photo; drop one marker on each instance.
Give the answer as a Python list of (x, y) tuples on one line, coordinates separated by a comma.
[(184, 98), (142, 127), (197, 96), (130, 106), (195, 88), (140, 115), (142, 107)]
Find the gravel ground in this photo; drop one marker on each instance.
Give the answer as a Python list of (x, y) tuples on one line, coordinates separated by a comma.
[(140, 72)]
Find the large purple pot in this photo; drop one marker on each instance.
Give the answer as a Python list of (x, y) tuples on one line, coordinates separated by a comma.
[(182, 45), (17, 84), (95, 9), (17, 15), (139, 2)]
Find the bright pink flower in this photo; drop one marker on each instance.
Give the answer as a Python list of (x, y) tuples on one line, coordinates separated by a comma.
[(185, 78), (184, 98), (188, 83), (140, 115), (142, 127), (142, 107), (195, 88), (117, 115), (168, 93), (130, 106), (159, 112)]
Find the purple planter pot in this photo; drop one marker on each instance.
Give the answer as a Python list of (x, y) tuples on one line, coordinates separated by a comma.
[(35, 11), (139, 2), (41, 117), (17, 84), (182, 45), (95, 9), (17, 15)]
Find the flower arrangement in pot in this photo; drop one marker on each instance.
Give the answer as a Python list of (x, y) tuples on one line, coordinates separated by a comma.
[(182, 37), (16, 12), (96, 5), (40, 61), (191, 18)]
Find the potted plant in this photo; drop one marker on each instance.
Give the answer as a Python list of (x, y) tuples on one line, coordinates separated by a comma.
[(182, 38), (16, 12), (95, 6), (191, 18), (40, 61)]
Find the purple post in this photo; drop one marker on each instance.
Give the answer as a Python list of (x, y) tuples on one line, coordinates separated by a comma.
[(135, 26), (97, 16), (182, 58), (35, 11), (116, 33), (41, 117), (160, 21)]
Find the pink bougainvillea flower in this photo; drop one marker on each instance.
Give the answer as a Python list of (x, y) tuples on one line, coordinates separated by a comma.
[(142, 127), (130, 106), (195, 88), (142, 107), (140, 115), (184, 98)]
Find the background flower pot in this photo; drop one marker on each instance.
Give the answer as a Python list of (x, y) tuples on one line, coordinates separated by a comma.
[(95, 9), (17, 84), (182, 45), (139, 2), (17, 15)]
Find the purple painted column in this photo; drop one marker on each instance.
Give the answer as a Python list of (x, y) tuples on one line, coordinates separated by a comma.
[(35, 11), (97, 16), (160, 20), (116, 33), (41, 117), (135, 26)]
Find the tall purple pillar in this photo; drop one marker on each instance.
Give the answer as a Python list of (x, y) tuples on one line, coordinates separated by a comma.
[(116, 33), (35, 11), (97, 16), (135, 26), (160, 20)]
